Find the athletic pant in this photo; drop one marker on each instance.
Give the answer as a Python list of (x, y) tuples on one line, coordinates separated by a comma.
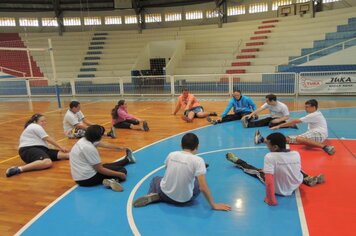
[(232, 117), (98, 177), (263, 122)]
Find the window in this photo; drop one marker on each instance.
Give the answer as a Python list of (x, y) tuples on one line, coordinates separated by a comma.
[(28, 22), (236, 10), (49, 22), (113, 20), (278, 3), (7, 21), (212, 13), (173, 17), (258, 7), (130, 19), (193, 15), (151, 18), (71, 21), (327, 1), (92, 20)]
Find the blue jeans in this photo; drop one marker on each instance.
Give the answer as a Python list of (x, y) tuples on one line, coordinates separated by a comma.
[(155, 187)]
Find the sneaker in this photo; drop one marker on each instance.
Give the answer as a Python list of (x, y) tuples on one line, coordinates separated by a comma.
[(113, 184), (321, 179), (14, 170), (311, 181), (244, 122), (145, 200), (214, 122), (258, 137), (206, 165), (130, 156), (213, 114), (112, 132), (145, 126), (231, 157), (329, 150)]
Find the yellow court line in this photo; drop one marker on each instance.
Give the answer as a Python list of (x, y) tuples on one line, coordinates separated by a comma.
[(9, 159)]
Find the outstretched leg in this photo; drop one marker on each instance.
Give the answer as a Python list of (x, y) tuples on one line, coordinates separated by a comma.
[(247, 168)]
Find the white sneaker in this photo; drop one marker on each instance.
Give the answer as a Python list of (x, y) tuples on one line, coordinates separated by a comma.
[(113, 184)]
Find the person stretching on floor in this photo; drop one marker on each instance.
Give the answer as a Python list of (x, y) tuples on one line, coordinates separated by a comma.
[(121, 119), (241, 104), (33, 148), (317, 128), (191, 106), (85, 162), (281, 171), (183, 180)]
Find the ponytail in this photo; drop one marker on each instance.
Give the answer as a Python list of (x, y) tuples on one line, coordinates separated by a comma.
[(114, 111), (34, 118)]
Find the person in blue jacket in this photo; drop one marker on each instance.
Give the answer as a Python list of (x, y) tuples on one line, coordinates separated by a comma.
[(241, 104)]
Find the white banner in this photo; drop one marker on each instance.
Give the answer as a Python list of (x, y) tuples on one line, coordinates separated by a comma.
[(332, 83)]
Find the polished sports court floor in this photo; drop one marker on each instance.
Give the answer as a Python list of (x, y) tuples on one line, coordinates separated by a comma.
[(326, 209)]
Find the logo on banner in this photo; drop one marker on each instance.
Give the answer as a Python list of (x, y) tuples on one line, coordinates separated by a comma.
[(340, 80), (307, 83)]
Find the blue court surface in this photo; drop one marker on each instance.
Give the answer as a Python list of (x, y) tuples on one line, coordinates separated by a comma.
[(99, 211)]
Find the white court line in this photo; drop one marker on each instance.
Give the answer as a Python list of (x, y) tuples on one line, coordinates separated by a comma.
[(130, 217), (302, 219)]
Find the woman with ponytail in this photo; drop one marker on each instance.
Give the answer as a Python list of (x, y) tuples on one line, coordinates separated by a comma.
[(121, 119), (33, 147)]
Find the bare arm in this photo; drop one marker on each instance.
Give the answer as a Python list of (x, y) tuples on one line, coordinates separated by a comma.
[(255, 112), (206, 191), (110, 146), (105, 171), (87, 122), (177, 108), (283, 118), (54, 143), (81, 125), (287, 124)]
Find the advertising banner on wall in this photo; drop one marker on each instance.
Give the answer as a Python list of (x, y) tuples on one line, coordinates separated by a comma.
[(312, 83)]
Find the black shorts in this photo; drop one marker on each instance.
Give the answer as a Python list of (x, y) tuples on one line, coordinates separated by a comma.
[(126, 124), (35, 153)]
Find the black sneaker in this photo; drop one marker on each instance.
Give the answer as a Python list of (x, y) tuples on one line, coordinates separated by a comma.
[(206, 165), (310, 181), (321, 179), (329, 150), (130, 157), (145, 200), (213, 114), (14, 170), (145, 126), (258, 137), (113, 184)]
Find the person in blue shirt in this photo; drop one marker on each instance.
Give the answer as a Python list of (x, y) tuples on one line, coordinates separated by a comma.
[(241, 104)]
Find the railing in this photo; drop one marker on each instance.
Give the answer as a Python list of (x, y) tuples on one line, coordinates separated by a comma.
[(2, 68), (321, 50)]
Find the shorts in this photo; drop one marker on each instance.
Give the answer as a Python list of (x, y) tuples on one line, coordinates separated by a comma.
[(310, 134), (126, 124), (195, 110), (35, 153)]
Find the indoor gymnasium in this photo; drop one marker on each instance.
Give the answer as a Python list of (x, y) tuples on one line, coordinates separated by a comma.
[(178, 117)]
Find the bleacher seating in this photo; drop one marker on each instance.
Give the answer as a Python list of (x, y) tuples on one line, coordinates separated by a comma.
[(17, 60)]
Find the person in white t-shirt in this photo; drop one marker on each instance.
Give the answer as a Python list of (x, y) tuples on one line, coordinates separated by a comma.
[(317, 128), (183, 180), (279, 113), (33, 147), (85, 162), (74, 121), (281, 172)]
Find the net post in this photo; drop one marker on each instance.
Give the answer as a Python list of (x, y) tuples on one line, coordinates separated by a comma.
[(54, 72)]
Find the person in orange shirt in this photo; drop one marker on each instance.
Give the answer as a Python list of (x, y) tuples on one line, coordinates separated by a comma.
[(192, 107)]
